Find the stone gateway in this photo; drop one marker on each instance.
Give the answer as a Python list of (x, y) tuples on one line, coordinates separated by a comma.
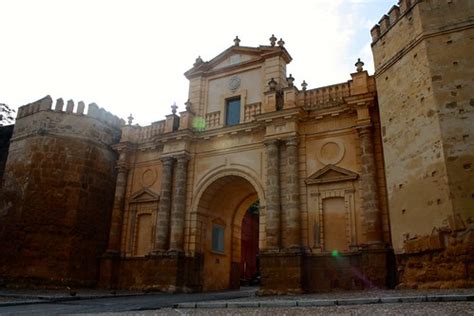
[(361, 184)]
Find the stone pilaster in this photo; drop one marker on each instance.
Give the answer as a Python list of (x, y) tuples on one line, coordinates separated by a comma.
[(118, 207), (273, 194), (164, 209), (368, 188), (179, 204), (291, 199)]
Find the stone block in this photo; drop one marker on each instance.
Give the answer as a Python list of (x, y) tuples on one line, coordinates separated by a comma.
[(308, 303), (358, 301), (412, 299), (278, 303), (447, 298), (242, 304), (211, 305), (281, 273), (390, 299), (186, 305)]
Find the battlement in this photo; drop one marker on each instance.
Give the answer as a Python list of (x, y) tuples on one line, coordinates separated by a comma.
[(45, 104), (394, 15)]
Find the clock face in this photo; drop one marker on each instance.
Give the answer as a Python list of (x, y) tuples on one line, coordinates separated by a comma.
[(234, 83)]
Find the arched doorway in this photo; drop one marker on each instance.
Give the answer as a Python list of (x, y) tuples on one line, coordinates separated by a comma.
[(221, 210)]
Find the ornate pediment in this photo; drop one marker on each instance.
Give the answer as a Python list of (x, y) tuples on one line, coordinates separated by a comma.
[(331, 173), (144, 195), (236, 56)]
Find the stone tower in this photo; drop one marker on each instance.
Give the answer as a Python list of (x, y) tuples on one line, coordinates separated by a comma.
[(424, 74), (57, 193)]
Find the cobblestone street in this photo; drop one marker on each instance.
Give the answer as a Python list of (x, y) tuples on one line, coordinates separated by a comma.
[(450, 308)]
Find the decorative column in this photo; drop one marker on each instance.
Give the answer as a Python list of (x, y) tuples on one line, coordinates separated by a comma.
[(368, 188), (291, 204), (179, 204), (273, 194), (118, 207), (163, 222)]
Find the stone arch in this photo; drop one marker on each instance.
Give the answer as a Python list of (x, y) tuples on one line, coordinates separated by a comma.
[(240, 171), (210, 178), (222, 197)]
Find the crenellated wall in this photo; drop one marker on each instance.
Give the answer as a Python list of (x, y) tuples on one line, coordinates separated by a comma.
[(57, 194), (424, 68)]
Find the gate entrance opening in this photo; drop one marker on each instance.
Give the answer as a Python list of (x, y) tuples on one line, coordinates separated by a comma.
[(228, 233)]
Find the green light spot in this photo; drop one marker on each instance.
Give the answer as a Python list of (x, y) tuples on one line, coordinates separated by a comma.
[(199, 124), (335, 253)]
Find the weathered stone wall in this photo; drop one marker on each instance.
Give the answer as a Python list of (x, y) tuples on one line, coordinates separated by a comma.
[(5, 136), (166, 273), (441, 260), (57, 195), (424, 67)]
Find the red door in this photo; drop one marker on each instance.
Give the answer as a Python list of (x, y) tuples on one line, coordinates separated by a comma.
[(249, 246)]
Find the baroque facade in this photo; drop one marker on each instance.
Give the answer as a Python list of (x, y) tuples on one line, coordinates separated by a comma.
[(364, 183), (311, 159)]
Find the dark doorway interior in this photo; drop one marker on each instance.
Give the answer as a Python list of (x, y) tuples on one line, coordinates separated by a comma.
[(249, 265)]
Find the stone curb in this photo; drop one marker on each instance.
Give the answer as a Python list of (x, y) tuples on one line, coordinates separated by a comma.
[(38, 299), (329, 302), (14, 303)]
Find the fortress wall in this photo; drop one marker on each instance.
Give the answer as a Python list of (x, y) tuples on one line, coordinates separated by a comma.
[(57, 194), (422, 53)]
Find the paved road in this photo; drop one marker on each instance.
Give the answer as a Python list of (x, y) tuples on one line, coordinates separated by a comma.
[(244, 301), (120, 304)]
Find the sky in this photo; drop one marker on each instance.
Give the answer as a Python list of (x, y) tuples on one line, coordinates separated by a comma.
[(129, 56)]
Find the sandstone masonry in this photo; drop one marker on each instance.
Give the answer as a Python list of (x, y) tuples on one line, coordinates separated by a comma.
[(424, 70), (364, 183)]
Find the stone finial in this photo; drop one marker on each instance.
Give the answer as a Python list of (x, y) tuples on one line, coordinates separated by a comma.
[(304, 85), (359, 64), (273, 40), (130, 119), (174, 107), (188, 105), (272, 84), (198, 61), (236, 41), (290, 80), (281, 42)]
